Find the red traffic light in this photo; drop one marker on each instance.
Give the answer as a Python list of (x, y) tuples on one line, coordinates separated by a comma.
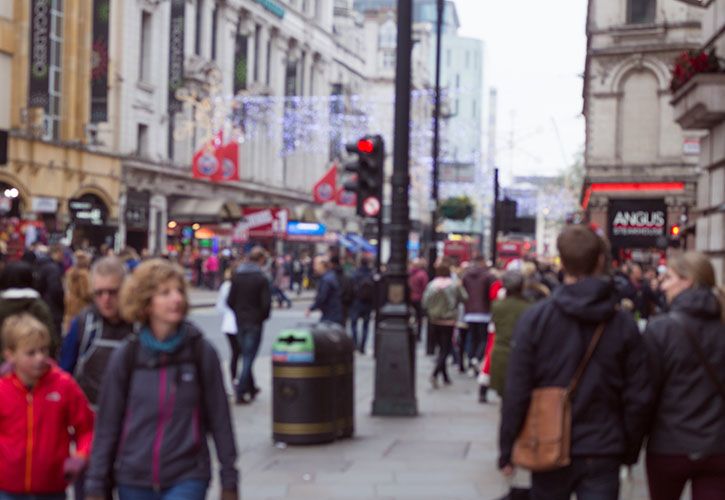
[(365, 146), (675, 231)]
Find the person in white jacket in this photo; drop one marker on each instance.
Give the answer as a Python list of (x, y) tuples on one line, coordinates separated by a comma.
[(229, 322)]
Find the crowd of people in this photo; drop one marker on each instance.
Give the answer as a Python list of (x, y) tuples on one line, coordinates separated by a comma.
[(100, 353)]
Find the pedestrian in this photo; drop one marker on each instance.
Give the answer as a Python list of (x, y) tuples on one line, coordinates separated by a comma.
[(18, 295), (687, 354), (477, 282), (362, 306), (328, 299), (49, 281), (163, 393), (417, 281), (42, 411), (297, 275), (505, 315), (612, 400), (77, 287), (277, 274), (229, 322), (96, 332), (251, 300), (347, 287), (211, 271), (440, 300)]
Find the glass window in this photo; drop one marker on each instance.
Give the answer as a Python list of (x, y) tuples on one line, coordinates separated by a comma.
[(52, 118), (197, 26), (144, 70), (641, 11)]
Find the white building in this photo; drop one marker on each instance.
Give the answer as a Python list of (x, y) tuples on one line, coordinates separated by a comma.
[(281, 60), (700, 105), (636, 156)]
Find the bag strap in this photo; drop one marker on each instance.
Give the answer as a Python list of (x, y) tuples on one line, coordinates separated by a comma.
[(587, 356), (712, 375)]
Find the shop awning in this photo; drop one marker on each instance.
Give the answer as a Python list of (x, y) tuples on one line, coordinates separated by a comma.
[(198, 210), (362, 243)]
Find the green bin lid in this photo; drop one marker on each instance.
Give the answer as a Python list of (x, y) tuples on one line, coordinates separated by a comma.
[(294, 341)]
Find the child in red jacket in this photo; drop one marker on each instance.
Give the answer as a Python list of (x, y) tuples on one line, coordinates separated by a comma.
[(39, 403)]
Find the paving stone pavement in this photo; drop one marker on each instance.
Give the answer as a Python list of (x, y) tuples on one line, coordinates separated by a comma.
[(448, 452)]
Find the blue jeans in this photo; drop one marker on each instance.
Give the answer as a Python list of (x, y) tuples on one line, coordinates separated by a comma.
[(249, 337), (590, 478), (191, 489), (29, 496), (357, 312)]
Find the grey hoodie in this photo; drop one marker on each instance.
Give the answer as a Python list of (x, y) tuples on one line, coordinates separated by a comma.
[(158, 438)]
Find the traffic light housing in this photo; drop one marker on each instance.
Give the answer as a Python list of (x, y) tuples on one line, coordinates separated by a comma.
[(367, 167), (674, 238)]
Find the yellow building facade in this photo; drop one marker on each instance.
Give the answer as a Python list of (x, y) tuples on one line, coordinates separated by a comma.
[(57, 176)]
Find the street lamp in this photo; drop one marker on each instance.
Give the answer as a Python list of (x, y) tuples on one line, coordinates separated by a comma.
[(433, 250)]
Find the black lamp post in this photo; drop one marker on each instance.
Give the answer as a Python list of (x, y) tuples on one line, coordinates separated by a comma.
[(433, 250)]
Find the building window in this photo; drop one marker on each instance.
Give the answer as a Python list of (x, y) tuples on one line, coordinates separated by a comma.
[(641, 11), (267, 77), (639, 119), (142, 140), (52, 118), (257, 37), (197, 26), (214, 25), (389, 59), (144, 70), (387, 38)]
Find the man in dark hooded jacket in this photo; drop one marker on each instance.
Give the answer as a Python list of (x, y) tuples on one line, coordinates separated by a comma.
[(611, 404)]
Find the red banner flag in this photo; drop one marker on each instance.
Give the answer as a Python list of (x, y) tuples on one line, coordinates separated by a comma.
[(345, 198), (206, 162), (325, 189), (228, 158)]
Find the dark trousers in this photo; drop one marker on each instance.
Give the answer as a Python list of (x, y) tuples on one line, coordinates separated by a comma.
[(459, 353), (418, 308), (280, 296), (668, 474), (443, 338), (360, 312), (589, 478), (477, 338), (236, 350), (249, 337)]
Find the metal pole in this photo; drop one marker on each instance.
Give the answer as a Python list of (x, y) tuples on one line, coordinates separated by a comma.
[(394, 338), (494, 221), (433, 250)]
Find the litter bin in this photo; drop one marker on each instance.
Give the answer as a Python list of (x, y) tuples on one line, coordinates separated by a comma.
[(312, 384)]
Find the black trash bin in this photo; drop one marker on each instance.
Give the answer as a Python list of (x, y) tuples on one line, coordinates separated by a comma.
[(312, 383)]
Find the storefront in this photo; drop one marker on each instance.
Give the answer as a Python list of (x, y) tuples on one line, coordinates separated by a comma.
[(638, 230), (137, 219), (89, 223)]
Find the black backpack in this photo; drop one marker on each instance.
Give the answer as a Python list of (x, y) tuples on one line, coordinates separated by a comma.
[(366, 290), (347, 288)]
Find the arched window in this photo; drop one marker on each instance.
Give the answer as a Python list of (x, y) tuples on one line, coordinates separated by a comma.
[(639, 118), (641, 11)]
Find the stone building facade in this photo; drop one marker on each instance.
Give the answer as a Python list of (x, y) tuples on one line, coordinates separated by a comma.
[(700, 105), (639, 161)]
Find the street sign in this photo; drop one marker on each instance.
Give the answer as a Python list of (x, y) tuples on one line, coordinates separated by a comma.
[(371, 206)]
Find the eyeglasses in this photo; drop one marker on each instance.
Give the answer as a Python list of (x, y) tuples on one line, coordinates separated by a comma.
[(111, 292)]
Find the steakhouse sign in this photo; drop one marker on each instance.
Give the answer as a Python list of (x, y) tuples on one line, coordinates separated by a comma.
[(637, 223)]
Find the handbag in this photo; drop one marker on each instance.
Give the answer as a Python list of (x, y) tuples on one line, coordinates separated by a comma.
[(544, 443), (712, 375)]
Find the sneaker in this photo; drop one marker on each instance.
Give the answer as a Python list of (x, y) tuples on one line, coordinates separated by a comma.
[(245, 399), (433, 382), (447, 381)]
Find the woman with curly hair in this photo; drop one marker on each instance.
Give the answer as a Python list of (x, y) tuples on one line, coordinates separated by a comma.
[(78, 294), (163, 392)]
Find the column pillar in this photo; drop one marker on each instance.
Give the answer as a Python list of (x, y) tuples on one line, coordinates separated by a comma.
[(158, 219)]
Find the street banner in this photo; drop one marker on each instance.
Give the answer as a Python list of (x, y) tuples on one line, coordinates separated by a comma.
[(38, 96), (325, 189), (345, 198), (228, 161), (264, 222), (206, 162), (176, 54), (99, 61), (637, 223)]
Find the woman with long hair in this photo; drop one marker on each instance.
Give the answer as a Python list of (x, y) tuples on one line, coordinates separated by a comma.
[(687, 355), (78, 294), (163, 392)]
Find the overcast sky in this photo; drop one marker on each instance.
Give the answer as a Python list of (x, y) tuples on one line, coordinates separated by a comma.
[(534, 55)]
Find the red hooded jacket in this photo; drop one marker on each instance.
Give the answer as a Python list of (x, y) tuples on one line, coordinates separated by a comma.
[(34, 437)]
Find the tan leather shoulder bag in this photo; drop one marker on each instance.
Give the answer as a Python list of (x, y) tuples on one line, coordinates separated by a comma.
[(545, 441)]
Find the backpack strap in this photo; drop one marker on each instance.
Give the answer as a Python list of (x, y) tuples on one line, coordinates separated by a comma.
[(92, 324), (681, 320), (587, 356)]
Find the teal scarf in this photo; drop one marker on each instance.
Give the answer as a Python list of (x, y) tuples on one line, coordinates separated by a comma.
[(157, 346)]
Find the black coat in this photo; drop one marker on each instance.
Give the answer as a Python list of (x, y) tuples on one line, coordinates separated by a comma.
[(49, 276), (250, 296), (689, 415), (611, 405)]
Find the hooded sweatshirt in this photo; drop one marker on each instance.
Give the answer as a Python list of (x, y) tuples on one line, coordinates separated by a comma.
[(610, 406), (154, 436), (689, 416)]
